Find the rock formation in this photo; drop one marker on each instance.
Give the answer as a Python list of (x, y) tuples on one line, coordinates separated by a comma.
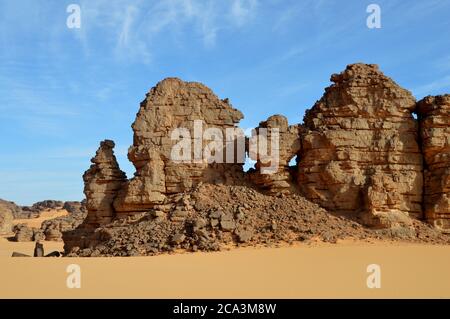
[(6, 220), (102, 181), (434, 118), (11, 207), (278, 156), (52, 229), (173, 104), (360, 153), (23, 233)]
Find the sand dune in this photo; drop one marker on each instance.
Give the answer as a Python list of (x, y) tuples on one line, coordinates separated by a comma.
[(44, 215)]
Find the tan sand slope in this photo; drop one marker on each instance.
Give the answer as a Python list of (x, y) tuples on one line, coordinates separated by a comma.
[(44, 215), (8, 247), (340, 270)]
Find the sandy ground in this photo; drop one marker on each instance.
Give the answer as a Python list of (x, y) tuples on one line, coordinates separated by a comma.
[(8, 247), (299, 271), (36, 222)]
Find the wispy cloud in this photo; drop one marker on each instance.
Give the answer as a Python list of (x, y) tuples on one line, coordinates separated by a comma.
[(433, 87), (136, 25), (242, 11)]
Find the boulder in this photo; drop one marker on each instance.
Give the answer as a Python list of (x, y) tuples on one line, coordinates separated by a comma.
[(11, 207), (23, 233), (6, 221)]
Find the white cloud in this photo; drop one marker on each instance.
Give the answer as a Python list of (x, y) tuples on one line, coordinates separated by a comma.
[(135, 25), (242, 11)]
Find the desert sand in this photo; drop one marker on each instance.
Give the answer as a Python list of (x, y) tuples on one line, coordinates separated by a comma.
[(43, 215), (298, 271), (7, 247), (315, 270)]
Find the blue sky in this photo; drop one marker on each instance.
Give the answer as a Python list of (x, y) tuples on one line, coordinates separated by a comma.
[(63, 90)]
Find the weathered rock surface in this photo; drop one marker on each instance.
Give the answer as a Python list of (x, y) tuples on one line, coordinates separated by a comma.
[(23, 233), (52, 229), (218, 216), (434, 117), (75, 208), (360, 153), (47, 204), (272, 171), (173, 104), (102, 181), (359, 156), (11, 207), (6, 221)]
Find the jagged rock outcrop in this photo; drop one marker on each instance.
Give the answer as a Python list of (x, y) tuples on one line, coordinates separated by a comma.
[(23, 233), (6, 221), (74, 207), (173, 104), (102, 182), (45, 205), (434, 118), (272, 172), (54, 228), (360, 153), (12, 208)]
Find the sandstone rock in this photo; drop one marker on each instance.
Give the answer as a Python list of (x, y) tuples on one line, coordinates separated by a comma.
[(158, 213), (16, 254), (6, 221), (23, 233), (244, 235), (360, 152), (12, 208), (47, 204), (296, 219), (53, 235), (357, 155), (102, 182), (174, 104), (38, 234), (74, 207), (434, 117), (272, 171), (227, 225), (178, 238), (53, 254), (200, 223)]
